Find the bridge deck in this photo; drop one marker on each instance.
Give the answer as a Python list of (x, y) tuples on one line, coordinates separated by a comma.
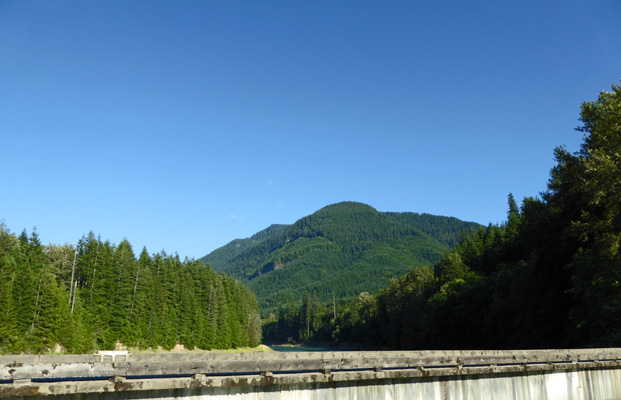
[(30, 375)]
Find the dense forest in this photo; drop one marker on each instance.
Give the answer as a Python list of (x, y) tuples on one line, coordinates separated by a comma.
[(549, 277), (336, 253), (97, 295), (219, 257)]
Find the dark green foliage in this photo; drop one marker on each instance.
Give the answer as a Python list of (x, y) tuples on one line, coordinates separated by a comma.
[(547, 278), (345, 249), (591, 179), (108, 297), (9, 246), (219, 257)]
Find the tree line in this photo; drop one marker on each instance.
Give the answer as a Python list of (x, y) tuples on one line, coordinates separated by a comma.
[(344, 248), (548, 277), (96, 295)]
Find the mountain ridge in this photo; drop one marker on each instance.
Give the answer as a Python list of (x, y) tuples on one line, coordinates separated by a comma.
[(340, 250), (219, 256)]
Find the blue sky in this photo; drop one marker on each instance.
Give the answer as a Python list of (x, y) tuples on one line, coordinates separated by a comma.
[(184, 125)]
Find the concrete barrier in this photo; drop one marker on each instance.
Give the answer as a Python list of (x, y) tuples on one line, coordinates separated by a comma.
[(37, 375)]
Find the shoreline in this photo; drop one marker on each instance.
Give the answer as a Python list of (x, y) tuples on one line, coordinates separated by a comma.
[(325, 346)]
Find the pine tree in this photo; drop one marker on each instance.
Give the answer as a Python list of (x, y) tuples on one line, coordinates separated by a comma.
[(45, 329), (24, 288), (124, 270), (187, 312), (140, 307), (98, 294), (223, 338), (100, 286), (210, 315), (8, 311)]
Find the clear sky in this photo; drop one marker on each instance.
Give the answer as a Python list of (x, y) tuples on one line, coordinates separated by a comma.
[(183, 125)]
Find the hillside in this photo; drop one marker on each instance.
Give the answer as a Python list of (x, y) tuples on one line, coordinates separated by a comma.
[(548, 277), (342, 249), (219, 257)]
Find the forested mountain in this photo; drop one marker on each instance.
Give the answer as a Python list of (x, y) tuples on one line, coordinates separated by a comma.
[(100, 294), (549, 277), (219, 257), (340, 251)]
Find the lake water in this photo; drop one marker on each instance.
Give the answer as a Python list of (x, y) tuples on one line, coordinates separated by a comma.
[(290, 349)]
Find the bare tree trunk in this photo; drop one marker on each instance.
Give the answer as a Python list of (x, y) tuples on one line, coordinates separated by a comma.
[(121, 266), (94, 271), (75, 291), (134, 296), (209, 306), (92, 286), (75, 255), (34, 317), (8, 309)]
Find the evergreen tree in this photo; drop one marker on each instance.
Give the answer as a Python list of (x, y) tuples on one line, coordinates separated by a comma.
[(140, 310), (50, 306), (546, 278), (24, 288), (98, 294), (8, 310), (590, 180), (223, 338)]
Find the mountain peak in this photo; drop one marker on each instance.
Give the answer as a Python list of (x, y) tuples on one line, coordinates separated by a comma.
[(345, 248)]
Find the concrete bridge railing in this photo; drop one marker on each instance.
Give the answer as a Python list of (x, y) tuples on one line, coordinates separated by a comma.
[(40, 375)]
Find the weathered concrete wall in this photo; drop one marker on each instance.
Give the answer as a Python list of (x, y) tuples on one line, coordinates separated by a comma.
[(135, 365), (557, 385), (449, 374)]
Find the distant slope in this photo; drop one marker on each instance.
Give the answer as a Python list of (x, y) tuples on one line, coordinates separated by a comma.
[(345, 248), (219, 257), (447, 230)]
